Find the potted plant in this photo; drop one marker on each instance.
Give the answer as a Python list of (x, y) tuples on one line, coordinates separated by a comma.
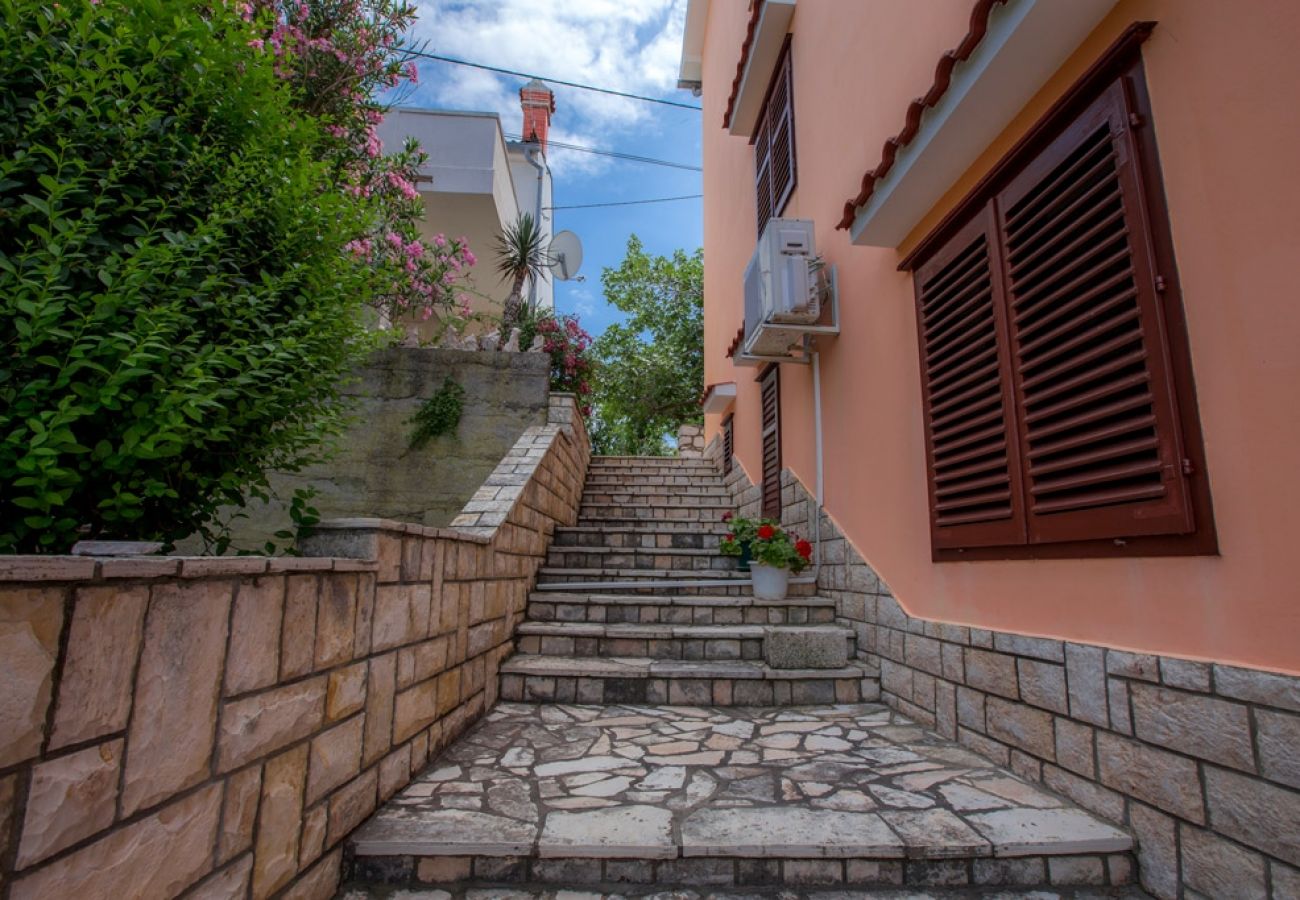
[(774, 551), (736, 541)]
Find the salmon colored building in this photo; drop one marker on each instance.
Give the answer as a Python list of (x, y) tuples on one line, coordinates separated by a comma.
[(1052, 416)]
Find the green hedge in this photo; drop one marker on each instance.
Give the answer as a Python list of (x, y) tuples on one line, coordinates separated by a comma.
[(178, 310)]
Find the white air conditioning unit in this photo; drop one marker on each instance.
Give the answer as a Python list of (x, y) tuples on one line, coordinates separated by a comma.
[(782, 289)]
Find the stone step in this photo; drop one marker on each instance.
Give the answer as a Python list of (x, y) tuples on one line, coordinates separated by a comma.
[(715, 802), (705, 537), (646, 524), (782, 646), (713, 482), (671, 499), (653, 581), (616, 559), (656, 496), (596, 514), (666, 462), (584, 679), (677, 609)]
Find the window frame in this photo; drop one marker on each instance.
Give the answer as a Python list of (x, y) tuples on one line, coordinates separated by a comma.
[(1122, 65)]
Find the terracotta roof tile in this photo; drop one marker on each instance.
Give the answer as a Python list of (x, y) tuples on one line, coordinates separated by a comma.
[(755, 12), (979, 23)]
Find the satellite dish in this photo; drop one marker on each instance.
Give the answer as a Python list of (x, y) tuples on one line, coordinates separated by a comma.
[(565, 254)]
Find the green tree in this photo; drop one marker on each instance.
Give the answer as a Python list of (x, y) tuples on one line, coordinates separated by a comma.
[(177, 301), (650, 369)]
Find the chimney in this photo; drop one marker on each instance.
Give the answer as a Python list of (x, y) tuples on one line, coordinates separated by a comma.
[(538, 103)]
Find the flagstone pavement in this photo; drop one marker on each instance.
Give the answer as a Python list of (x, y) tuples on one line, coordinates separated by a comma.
[(575, 783)]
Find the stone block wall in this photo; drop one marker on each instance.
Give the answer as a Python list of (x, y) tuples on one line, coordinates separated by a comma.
[(215, 727), (690, 441), (376, 472), (1201, 761)]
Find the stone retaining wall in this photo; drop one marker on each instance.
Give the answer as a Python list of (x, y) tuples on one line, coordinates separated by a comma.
[(1200, 760), (376, 472), (690, 441), (217, 727)]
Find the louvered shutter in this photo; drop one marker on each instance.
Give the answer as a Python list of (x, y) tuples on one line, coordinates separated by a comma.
[(1098, 425), (771, 403), (781, 117), (774, 157), (763, 175), (728, 442), (974, 470)]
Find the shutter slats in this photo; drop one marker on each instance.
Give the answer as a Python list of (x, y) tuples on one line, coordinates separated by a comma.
[(1050, 317), (1101, 434), (1062, 356), (1098, 439), (974, 480), (770, 403), (774, 145), (728, 442), (1109, 450)]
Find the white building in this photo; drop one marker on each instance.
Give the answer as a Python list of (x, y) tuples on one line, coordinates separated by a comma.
[(476, 183)]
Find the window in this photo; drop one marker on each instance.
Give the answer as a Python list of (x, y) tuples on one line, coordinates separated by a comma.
[(774, 163), (728, 442), (1059, 410), (771, 403)]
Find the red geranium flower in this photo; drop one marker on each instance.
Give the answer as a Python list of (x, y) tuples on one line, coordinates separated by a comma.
[(726, 517), (803, 548), (728, 537), (766, 532)]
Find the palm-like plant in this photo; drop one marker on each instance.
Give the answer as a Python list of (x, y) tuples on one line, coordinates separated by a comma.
[(520, 256)]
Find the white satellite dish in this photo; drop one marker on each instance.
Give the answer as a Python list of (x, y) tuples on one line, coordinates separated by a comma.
[(565, 254)]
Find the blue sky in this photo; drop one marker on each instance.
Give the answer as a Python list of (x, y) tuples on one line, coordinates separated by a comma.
[(627, 45)]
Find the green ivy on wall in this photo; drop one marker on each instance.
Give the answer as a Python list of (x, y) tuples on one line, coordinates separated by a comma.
[(438, 415)]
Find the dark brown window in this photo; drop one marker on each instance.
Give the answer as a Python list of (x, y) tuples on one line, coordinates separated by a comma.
[(774, 163), (1060, 417), (728, 442), (771, 403)]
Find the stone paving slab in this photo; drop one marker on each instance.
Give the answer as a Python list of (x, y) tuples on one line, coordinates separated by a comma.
[(369, 892), (659, 782)]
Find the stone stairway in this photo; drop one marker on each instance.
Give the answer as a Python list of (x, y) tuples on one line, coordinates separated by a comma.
[(636, 605), (662, 730)]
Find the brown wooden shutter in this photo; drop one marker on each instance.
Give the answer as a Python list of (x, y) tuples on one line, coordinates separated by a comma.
[(1098, 424), (781, 115), (774, 156), (763, 175), (728, 442), (771, 403), (974, 470)]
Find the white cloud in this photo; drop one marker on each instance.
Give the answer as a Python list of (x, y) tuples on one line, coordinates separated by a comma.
[(624, 45)]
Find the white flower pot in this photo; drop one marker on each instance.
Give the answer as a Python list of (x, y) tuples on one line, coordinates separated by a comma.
[(770, 583)]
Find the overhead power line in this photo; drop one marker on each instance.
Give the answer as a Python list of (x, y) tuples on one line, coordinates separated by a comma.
[(630, 157), (410, 51), (628, 202)]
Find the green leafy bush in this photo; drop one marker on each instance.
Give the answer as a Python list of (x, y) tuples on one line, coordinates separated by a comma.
[(438, 415), (177, 302)]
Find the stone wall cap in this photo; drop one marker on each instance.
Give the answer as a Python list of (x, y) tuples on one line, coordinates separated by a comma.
[(47, 568)]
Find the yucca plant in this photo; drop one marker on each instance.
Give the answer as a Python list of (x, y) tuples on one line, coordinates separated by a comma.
[(520, 256)]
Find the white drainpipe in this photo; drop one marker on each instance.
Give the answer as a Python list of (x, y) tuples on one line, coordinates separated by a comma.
[(531, 155)]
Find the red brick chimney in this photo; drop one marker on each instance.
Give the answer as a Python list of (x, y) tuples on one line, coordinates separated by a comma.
[(538, 103)]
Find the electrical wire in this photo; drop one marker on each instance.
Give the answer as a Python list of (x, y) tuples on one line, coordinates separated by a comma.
[(627, 202), (410, 51), (630, 157)]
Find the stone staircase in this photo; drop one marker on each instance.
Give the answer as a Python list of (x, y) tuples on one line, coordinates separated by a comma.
[(661, 730), (635, 604)]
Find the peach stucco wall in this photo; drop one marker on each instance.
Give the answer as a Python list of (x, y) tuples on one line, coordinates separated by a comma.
[(1219, 75)]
